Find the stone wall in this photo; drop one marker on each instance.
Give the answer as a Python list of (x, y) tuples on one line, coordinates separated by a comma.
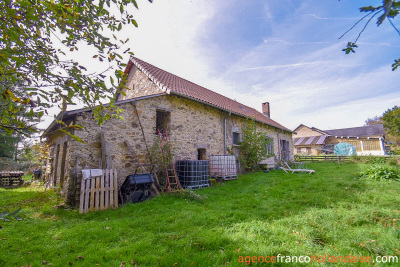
[(59, 160), (305, 131), (138, 84), (191, 126)]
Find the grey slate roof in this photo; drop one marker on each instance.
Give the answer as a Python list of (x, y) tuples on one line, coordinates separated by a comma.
[(363, 131)]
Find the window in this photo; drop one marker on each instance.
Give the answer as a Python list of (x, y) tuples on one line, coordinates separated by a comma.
[(308, 149), (162, 121), (298, 150), (270, 146), (201, 154), (236, 138)]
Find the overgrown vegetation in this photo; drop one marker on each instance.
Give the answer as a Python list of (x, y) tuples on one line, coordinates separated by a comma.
[(162, 157), (253, 146), (258, 214), (381, 173)]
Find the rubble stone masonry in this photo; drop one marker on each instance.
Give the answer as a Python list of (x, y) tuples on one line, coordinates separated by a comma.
[(192, 125)]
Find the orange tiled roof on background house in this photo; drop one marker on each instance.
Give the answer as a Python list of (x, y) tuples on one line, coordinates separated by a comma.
[(173, 84)]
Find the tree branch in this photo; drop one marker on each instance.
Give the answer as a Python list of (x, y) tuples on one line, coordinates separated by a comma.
[(352, 27)]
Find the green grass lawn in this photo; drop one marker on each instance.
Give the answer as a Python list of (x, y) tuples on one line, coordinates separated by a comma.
[(329, 212)]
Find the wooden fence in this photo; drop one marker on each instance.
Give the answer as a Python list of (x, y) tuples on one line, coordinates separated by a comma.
[(336, 158), (99, 193), (320, 158)]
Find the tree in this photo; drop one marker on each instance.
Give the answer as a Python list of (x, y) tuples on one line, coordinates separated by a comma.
[(17, 116), (388, 10), (29, 30), (253, 147), (374, 121), (18, 120), (391, 120)]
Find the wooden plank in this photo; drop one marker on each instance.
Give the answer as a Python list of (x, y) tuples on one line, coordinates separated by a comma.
[(106, 160), (110, 178), (102, 192), (108, 156), (97, 193), (92, 184), (107, 189), (75, 182), (87, 190), (115, 189), (82, 196), (103, 150)]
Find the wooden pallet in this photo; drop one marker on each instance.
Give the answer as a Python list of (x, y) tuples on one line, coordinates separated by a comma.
[(99, 193)]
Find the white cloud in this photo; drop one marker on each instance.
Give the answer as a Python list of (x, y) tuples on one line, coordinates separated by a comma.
[(297, 64)]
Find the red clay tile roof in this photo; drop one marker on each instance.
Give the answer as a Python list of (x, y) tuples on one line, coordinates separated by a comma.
[(180, 86)]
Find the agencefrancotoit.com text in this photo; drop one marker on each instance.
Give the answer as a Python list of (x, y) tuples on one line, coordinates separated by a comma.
[(326, 258)]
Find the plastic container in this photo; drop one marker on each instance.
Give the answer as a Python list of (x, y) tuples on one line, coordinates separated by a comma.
[(193, 174), (223, 167)]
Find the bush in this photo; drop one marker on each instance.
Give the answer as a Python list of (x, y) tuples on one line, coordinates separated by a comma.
[(7, 164), (379, 173), (253, 147), (375, 160), (392, 162)]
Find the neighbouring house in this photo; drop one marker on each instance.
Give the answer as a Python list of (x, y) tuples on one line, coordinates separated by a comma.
[(198, 121), (368, 140)]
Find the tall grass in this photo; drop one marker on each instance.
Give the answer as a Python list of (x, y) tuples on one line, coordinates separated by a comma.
[(329, 212)]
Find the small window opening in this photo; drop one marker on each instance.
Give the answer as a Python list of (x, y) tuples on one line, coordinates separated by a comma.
[(270, 146), (162, 121), (201, 154), (236, 138)]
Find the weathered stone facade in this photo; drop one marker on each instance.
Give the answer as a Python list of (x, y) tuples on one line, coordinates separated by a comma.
[(191, 126)]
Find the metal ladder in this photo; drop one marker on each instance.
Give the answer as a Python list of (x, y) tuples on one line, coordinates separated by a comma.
[(172, 181)]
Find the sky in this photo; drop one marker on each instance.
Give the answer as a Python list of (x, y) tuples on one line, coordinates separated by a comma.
[(285, 52)]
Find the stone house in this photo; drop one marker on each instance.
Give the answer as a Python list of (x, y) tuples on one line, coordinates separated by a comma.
[(368, 140), (198, 121)]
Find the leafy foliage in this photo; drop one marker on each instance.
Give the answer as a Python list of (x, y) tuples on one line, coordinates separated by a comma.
[(350, 48), (29, 51), (17, 114), (253, 147), (390, 9), (375, 160), (393, 139), (162, 156), (381, 173), (391, 119)]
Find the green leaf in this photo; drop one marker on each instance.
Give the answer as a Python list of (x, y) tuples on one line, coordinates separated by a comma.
[(350, 48)]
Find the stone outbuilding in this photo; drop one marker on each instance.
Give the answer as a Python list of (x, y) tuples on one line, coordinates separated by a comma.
[(368, 140), (198, 121)]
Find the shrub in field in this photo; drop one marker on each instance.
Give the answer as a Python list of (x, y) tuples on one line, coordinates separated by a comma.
[(379, 173), (392, 161), (253, 146), (375, 160)]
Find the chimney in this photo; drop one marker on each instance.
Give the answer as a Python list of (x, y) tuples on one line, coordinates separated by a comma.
[(265, 109)]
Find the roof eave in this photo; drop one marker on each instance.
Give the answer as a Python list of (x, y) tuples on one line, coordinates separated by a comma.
[(73, 113)]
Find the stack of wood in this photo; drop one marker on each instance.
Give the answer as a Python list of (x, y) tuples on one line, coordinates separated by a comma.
[(11, 179)]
